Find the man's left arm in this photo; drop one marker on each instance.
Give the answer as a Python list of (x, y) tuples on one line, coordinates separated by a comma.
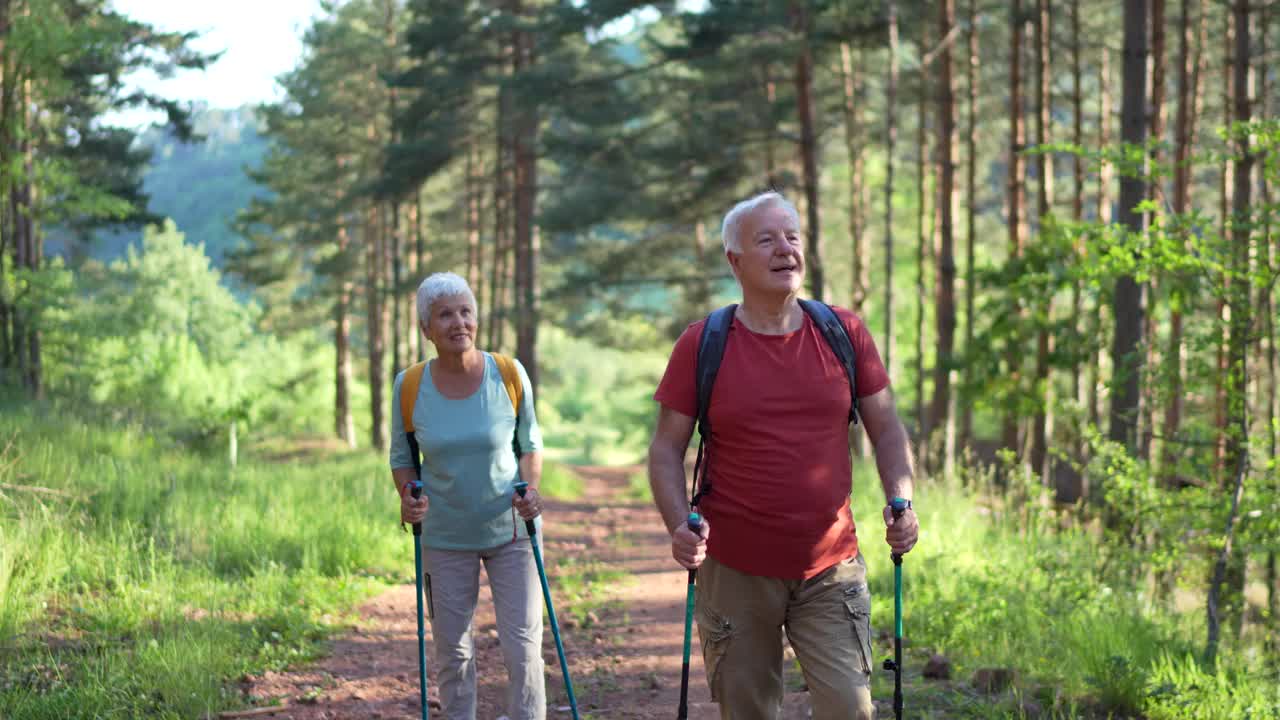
[(893, 460)]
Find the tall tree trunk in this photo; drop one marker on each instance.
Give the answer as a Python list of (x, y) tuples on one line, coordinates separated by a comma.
[(1043, 421), (891, 143), (1015, 201), (496, 312), (1148, 398), (971, 209), (1225, 189), (946, 302), (1071, 487), (343, 421), (475, 265), (1106, 179), (1239, 294), (1190, 64), (7, 349), (923, 426), (414, 220), (1129, 300), (1267, 303), (808, 151), (526, 235), (399, 328), (851, 84), (375, 289), (771, 178)]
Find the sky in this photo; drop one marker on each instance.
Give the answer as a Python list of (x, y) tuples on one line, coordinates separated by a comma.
[(260, 40)]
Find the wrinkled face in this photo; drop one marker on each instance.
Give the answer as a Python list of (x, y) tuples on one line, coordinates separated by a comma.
[(772, 257), (451, 327)]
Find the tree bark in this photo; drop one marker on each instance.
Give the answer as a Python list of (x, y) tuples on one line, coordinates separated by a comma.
[(1190, 64), (374, 298), (1016, 200), (808, 152), (343, 421), (851, 84), (971, 207), (526, 235), (924, 427), (946, 305), (1147, 399), (1106, 178), (891, 142), (1043, 421), (1225, 190), (1129, 299)]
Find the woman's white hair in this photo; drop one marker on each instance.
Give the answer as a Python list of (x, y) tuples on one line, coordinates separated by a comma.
[(438, 285), (733, 219)]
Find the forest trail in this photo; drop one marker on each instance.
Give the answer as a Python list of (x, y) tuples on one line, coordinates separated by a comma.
[(619, 598)]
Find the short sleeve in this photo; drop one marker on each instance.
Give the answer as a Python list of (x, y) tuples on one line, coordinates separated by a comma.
[(527, 431), (678, 388), (872, 377), (401, 457)]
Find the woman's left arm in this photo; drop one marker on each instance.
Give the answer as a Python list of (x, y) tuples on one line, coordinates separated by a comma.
[(529, 437)]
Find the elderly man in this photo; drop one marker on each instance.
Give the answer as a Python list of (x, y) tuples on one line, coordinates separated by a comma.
[(777, 548)]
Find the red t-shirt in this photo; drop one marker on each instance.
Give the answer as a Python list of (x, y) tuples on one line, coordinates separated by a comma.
[(779, 462)]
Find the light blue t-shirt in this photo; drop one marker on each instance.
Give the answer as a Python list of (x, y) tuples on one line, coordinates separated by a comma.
[(469, 467)]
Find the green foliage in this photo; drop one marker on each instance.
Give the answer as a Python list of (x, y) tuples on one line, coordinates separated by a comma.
[(990, 586), (597, 405), (156, 335), (143, 577)]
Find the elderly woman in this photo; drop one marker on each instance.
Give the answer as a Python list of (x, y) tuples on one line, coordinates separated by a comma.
[(464, 422)]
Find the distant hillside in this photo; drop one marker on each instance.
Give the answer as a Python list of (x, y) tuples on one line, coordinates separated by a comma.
[(200, 185)]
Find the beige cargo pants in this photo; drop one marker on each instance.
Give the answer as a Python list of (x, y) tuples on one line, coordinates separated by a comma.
[(828, 622)]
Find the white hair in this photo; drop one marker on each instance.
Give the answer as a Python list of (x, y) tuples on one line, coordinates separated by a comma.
[(733, 219), (438, 285)]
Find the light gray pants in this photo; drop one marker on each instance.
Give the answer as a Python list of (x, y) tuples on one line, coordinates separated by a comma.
[(517, 600)]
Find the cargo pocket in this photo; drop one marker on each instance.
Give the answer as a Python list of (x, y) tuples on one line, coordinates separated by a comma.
[(857, 605), (715, 631)]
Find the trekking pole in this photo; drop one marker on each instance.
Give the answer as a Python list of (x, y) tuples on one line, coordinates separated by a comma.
[(695, 524), (551, 611), (898, 506), (416, 491)]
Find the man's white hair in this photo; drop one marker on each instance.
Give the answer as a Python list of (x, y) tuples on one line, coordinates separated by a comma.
[(733, 219), (438, 285)]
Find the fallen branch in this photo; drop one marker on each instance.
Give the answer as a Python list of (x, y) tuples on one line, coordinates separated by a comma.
[(37, 489), (255, 711)]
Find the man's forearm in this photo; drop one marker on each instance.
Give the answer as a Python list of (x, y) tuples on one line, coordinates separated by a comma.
[(667, 481), (894, 461)]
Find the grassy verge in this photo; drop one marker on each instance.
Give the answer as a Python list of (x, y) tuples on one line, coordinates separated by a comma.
[(136, 579), (1004, 592)]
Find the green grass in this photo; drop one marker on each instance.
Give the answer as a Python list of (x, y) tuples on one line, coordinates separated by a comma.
[(143, 577), (1003, 592), (560, 482)]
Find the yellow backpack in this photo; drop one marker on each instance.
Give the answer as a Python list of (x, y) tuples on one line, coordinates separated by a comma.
[(409, 396)]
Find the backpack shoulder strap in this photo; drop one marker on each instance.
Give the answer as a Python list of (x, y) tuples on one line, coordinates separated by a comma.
[(715, 334), (515, 391), (409, 393), (511, 379), (837, 337)]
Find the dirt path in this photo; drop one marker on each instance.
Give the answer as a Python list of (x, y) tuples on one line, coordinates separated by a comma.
[(620, 600)]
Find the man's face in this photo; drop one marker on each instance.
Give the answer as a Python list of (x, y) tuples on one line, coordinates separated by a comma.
[(772, 252), (452, 324)]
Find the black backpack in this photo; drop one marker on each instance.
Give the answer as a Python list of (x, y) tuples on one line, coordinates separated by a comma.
[(715, 335)]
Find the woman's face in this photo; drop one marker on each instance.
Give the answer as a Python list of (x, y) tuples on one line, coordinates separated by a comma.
[(451, 327)]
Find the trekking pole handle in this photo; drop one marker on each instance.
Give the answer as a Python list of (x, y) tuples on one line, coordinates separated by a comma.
[(521, 488), (695, 523), (415, 491), (898, 506)]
